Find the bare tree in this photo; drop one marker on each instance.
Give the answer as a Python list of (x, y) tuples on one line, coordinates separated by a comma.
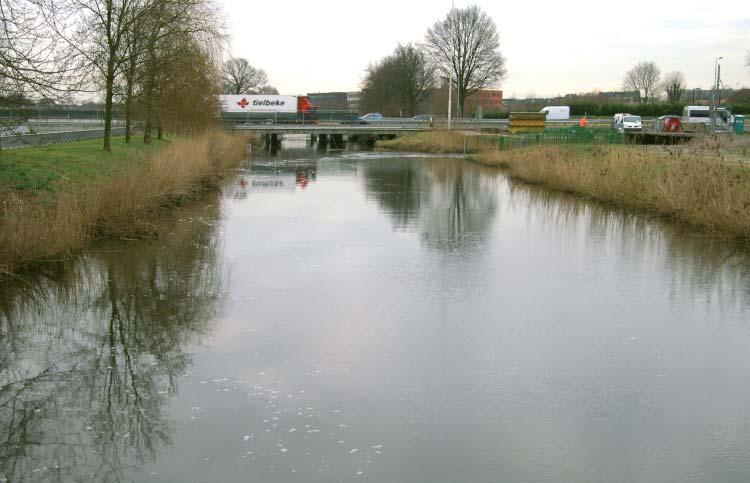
[(399, 82), (415, 76), (644, 78), (190, 84), (240, 77), (674, 86), (170, 24), (30, 58), (95, 30), (33, 65), (466, 45), (269, 90)]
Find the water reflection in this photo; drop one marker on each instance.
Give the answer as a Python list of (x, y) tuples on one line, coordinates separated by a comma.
[(703, 268), (390, 311), (449, 202), (273, 175), (91, 352)]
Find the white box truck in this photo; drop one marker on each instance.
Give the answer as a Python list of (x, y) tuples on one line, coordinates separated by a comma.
[(557, 113)]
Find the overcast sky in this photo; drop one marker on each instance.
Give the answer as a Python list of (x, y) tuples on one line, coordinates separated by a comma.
[(551, 47)]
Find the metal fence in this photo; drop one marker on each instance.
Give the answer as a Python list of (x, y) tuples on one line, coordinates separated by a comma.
[(26, 140), (572, 135), (56, 112)]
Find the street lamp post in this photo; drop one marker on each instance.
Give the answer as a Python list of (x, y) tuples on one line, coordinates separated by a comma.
[(713, 94)]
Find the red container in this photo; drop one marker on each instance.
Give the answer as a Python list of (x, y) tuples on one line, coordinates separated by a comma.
[(671, 124)]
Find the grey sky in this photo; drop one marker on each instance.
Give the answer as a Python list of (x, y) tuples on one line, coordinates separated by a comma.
[(552, 47)]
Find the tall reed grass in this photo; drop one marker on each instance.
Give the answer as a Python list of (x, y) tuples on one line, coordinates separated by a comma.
[(121, 206), (697, 186)]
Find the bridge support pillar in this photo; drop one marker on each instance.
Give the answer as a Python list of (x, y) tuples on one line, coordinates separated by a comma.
[(337, 140), (322, 138), (270, 141), (313, 138)]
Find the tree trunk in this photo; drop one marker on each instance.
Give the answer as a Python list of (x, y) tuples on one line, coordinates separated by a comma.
[(461, 102), (129, 99), (149, 95), (109, 80), (128, 117)]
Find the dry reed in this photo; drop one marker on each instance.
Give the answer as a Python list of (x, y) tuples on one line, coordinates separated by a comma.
[(115, 207), (696, 186)]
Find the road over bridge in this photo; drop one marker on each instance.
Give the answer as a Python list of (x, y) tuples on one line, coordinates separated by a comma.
[(333, 129)]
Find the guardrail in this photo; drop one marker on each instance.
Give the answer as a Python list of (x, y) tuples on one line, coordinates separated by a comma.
[(441, 123), (26, 140)]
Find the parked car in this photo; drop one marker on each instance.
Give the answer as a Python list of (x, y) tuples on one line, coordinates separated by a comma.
[(422, 118), (370, 117), (668, 124), (617, 119), (630, 123)]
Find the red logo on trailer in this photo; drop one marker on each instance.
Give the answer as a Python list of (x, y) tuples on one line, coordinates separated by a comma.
[(243, 103)]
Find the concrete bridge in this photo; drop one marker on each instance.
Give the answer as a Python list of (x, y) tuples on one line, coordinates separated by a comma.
[(333, 133)]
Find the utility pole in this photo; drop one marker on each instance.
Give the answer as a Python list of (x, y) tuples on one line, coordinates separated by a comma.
[(713, 95), (718, 87)]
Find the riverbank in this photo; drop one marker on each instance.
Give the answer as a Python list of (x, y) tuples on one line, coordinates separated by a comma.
[(34, 171), (704, 185), (445, 142), (49, 214)]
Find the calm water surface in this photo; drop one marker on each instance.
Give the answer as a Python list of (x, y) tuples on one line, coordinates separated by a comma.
[(365, 317)]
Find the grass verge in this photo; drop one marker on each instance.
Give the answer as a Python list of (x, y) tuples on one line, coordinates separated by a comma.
[(704, 184), (439, 142), (122, 204), (41, 169)]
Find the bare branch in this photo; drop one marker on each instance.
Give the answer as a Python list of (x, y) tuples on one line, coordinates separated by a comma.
[(644, 78), (466, 45)]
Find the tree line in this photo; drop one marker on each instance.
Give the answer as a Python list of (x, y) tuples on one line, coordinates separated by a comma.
[(463, 47), (159, 59)]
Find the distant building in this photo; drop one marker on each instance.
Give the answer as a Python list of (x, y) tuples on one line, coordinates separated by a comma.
[(330, 101), (490, 100), (353, 99)]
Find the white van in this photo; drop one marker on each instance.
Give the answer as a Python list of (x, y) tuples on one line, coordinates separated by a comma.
[(630, 122), (617, 119), (702, 114), (557, 113)]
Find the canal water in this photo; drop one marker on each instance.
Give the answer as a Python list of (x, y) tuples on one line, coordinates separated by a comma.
[(354, 316)]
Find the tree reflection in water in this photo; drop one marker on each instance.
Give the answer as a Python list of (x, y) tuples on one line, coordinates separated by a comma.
[(91, 351), (708, 268), (450, 202)]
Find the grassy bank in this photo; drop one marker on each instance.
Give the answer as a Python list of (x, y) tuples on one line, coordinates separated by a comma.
[(55, 166), (120, 200), (446, 142), (704, 184)]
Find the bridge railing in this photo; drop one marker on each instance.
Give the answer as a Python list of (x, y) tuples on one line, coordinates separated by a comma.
[(486, 125)]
